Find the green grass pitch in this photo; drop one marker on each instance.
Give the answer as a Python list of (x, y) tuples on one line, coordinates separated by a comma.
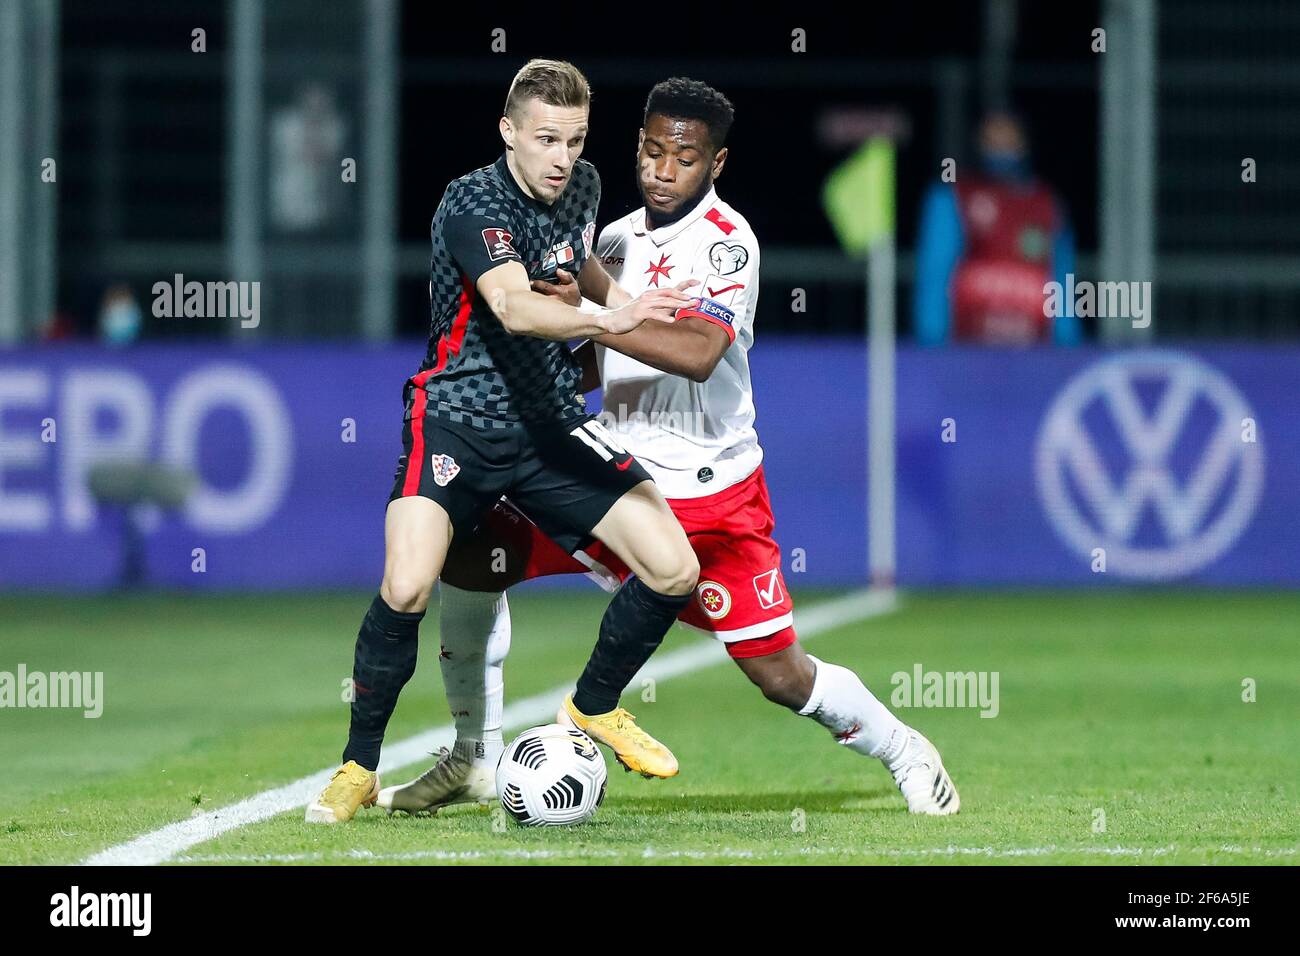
[(1122, 735)]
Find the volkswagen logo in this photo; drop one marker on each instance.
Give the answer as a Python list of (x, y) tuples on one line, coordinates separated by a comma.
[(1143, 455)]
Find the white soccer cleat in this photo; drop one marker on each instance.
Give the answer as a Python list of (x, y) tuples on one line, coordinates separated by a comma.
[(924, 782), (453, 779)]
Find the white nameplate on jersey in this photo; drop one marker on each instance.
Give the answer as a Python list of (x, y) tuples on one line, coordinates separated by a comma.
[(721, 290), (444, 469), (728, 258), (498, 242)]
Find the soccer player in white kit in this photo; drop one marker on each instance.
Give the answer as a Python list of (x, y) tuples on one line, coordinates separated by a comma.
[(677, 397)]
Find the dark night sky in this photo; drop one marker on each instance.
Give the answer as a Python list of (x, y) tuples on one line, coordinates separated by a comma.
[(777, 166), (171, 186)]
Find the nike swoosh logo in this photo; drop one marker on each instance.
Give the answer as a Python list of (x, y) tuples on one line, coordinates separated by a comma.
[(624, 465)]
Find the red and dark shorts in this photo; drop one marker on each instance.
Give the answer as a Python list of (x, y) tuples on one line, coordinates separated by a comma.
[(567, 474), (741, 597)]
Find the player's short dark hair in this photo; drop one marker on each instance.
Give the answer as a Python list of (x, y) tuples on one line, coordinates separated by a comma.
[(683, 98), (554, 82)]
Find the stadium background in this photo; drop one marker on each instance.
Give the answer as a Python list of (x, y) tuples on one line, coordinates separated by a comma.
[(167, 163), (155, 176)]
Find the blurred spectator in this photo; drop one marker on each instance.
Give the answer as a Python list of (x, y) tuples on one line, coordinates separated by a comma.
[(119, 315), (58, 327), (987, 244), (306, 139)]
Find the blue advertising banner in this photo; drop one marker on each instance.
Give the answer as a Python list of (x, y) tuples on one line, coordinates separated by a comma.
[(1029, 467)]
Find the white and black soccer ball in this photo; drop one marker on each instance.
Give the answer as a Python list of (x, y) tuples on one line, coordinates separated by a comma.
[(551, 776)]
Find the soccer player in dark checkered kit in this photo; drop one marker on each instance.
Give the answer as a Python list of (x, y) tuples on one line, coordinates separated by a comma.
[(495, 410)]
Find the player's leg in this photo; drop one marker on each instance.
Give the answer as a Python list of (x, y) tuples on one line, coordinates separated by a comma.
[(583, 484), (742, 600), (837, 699), (640, 530), (474, 636), (423, 510), (417, 532), (643, 532), (474, 630)]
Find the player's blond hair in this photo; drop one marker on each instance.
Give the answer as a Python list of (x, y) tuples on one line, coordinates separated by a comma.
[(554, 82)]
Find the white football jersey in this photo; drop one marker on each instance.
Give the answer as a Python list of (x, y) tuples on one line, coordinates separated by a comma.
[(694, 439)]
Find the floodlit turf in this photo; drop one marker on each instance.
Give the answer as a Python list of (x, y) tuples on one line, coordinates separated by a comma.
[(1123, 709)]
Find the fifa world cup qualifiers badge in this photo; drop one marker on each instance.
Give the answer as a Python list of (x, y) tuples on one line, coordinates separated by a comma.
[(499, 244)]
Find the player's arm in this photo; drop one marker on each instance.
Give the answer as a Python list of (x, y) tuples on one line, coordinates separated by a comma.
[(691, 346), (483, 249), (565, 288), (585, 355), (599, 286), (506, 290), (694, 345)]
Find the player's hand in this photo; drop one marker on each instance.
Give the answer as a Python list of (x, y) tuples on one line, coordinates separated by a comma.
[(690, 302), (566, 289), (658, 305)]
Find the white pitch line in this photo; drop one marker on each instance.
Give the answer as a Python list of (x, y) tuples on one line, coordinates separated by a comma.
[(650, 853), (162, 844)]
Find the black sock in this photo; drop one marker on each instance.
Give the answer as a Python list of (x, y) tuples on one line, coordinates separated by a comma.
[(384, 662), (632, 629)]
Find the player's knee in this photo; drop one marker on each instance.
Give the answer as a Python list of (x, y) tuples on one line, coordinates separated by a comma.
[(677, 576), (786, 677), (406, 593), (782, 685)]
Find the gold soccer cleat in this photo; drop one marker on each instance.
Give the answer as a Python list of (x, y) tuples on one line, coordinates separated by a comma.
[(351, 788), (633, 747)]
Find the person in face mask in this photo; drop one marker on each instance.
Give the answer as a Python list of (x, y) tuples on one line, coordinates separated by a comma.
[(119, 316), (1003, 152), (987, 244)]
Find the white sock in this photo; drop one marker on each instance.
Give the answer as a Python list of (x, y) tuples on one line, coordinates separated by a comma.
[(841, 703), (474, 629)]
